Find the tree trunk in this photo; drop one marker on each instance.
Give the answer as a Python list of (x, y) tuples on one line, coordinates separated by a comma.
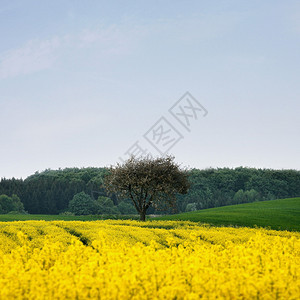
[(143, 216)]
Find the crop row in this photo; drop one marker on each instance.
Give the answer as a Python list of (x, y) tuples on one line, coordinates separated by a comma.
[(151, 260)]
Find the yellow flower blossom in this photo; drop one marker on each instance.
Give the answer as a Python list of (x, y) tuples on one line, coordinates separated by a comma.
[(150, 260)]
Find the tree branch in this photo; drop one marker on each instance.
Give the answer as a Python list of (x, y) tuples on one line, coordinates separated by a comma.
[(131, 196)]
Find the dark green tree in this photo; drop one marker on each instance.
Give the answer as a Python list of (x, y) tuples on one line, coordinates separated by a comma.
[(83, 204), (18, 205), (11, 204), (6, 203), (106, 206), (191, 207)]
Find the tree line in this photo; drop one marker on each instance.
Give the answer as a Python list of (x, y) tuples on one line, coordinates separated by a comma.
[(51, 191)]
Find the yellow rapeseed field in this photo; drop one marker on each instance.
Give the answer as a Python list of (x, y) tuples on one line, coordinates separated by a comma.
[(151, 260)]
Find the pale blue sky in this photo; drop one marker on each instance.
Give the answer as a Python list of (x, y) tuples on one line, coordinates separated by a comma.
[(82, 81)]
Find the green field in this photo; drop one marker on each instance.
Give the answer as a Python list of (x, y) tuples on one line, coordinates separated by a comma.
[(282, 214), (12, 217)]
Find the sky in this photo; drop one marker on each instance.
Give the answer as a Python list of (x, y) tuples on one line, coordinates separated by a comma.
[(87, 83)]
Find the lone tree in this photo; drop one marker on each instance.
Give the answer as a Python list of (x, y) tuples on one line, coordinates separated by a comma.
[(148, 182)]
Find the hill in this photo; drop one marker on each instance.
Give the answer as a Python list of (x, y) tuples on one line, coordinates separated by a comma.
[(281, 214)]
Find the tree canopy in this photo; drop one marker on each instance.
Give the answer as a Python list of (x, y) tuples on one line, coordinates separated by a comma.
[(11, 204), (148, 182), (83, 204)]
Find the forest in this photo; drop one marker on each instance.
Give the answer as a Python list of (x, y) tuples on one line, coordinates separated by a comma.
[(51, 191)]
